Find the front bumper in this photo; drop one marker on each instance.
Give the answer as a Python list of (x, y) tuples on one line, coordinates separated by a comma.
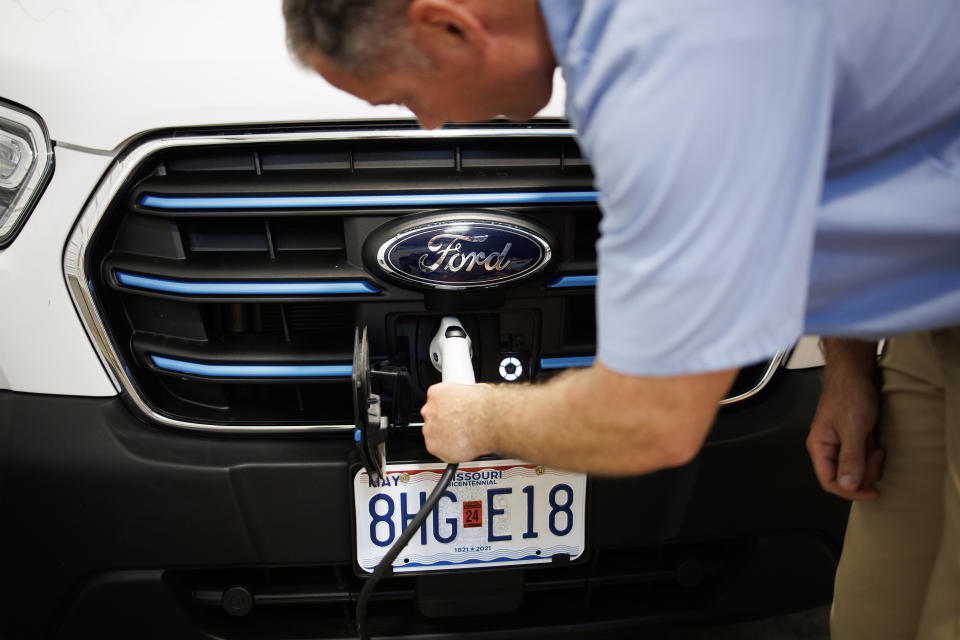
[(106, 514)]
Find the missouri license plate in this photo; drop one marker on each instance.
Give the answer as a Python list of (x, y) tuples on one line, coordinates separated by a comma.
[(495, 513)]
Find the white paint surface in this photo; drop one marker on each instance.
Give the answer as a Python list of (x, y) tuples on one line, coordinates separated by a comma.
[(101, 71), (807, 354), (43, 346)]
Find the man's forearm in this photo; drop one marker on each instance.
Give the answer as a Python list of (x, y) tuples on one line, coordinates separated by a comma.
[(849, 360), (599, 421)]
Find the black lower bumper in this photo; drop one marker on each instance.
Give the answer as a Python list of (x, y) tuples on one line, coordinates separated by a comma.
[(117, 528)]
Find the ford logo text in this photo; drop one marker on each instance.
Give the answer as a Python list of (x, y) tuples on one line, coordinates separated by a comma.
[(462, 250), (450, 244)]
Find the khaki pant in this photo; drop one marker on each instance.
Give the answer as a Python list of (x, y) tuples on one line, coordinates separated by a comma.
[(899, 574)]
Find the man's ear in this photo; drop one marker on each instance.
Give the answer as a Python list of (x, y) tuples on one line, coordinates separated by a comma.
[(447, 31)]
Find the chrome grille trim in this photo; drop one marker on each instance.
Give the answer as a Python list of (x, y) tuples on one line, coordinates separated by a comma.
[(772, 368)]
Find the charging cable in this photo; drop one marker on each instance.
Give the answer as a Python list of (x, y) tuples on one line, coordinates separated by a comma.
[(384, 565), (450, 353)]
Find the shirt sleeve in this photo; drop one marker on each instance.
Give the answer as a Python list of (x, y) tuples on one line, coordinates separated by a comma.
[(707, 127)]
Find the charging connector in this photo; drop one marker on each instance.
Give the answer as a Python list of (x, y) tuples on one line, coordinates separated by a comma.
[(451, 350)]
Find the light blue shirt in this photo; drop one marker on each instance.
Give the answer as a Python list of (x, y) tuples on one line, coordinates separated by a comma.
[(711, 125)]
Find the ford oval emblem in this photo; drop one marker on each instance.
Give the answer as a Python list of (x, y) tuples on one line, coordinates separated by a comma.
[(462, 249)]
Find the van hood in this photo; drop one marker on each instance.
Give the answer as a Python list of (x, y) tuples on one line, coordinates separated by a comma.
[(103, 71)]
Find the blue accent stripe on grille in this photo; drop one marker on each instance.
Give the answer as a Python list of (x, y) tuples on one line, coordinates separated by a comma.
[(396, 200), (342, 287), (253, 370), (567, 282), (566, 363)]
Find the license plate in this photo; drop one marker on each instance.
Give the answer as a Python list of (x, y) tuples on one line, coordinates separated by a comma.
[(495, 513)]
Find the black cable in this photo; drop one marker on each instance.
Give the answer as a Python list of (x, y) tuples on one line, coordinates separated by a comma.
[(387, 561)]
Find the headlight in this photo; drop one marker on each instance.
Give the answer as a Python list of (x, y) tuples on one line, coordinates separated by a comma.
[(26, 162)]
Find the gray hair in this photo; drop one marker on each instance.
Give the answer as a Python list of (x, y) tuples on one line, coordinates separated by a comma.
[(361, 36)]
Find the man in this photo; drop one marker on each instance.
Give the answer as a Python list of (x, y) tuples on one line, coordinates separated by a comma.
[(710, 126)]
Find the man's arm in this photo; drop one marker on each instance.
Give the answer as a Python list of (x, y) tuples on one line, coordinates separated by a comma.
[(593, 420), (841, 444)]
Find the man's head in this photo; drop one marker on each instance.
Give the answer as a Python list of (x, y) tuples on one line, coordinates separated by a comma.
[(446, 60)]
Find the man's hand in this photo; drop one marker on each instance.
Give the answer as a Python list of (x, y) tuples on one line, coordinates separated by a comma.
[(842, 447), (457, 420)]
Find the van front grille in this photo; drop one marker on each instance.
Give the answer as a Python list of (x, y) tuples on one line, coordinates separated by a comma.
[(224, 277)]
